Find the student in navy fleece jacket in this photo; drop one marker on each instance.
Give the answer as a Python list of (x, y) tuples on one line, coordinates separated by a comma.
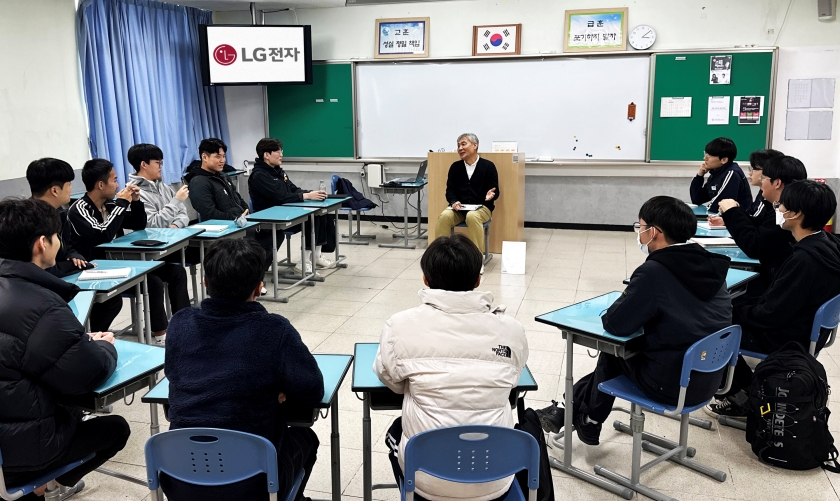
[(232, 365), (726, 179)]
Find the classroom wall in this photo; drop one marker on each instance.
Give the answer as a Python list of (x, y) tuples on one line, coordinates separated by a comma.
[(572, 193), (41, 108)]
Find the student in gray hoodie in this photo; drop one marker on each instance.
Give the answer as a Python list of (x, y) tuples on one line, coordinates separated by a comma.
[(165, 207)]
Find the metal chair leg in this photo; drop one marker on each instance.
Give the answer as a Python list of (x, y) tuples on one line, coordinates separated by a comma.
[(732, 422)]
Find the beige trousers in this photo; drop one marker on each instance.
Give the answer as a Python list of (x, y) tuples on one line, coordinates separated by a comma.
[(475, 220)]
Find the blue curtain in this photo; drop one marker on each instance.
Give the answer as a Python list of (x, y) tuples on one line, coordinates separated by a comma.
[(142, 82)]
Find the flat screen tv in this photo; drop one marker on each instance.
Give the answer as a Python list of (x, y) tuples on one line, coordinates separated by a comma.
[(253, 55)]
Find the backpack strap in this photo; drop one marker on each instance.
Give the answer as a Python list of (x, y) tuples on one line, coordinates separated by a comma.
[(831, 463)]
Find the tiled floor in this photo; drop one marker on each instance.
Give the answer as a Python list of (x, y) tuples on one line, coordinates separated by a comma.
[(562, 267)]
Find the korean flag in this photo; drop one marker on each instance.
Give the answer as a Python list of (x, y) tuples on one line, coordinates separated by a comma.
[(496, 40)]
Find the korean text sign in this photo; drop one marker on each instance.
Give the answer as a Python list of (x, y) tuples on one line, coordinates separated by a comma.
[(258, 54)]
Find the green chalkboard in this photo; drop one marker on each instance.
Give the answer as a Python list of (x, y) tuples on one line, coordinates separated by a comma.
[(687, 75), (314, 120)]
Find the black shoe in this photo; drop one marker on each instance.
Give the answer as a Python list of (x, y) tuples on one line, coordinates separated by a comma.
[(587, 432), (552, 417), (726, 407)]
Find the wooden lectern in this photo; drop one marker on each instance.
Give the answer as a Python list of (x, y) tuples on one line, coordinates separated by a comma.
[(509, 214)]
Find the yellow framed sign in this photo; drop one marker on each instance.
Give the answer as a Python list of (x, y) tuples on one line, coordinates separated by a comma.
[(593, 30)]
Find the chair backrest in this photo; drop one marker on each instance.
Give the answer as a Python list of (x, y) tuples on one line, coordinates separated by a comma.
[(712, 353), (333, 182), (250, 205), (827, 317), (472, 454), (210, 457)]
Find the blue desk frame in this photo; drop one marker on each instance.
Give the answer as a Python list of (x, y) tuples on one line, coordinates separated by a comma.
[(334, 369), (366, 382), (324, 207), (232, 231), (282, 217), (80, 305)]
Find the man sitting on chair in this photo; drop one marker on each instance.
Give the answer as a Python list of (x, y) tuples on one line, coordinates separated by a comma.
[(678, 296), (471, 181)]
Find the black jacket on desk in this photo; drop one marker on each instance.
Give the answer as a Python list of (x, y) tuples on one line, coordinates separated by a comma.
[(724, 182), (229, 360), (63, 264), (679, 296), (472, 190), (213, 195), (269, 187), (785, 312), (46, 353), (760, 238), (87, 228)]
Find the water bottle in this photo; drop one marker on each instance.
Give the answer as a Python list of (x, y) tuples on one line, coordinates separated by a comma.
[(322, 186)]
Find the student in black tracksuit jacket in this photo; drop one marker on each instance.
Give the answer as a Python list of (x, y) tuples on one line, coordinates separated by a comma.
[(726, 180), (678, 296), (758, 159), (89, 226), (269, 186), (760, 237), (806, 280)]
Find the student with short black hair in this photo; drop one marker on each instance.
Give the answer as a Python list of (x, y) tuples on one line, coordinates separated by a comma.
[(164, 206), (49, 180), (98, 218), (806, 280), (270, 186), (726, 180), (46, 355), (758, 159), (678, 296), (232, 365), (212, 193), (455, 339), (760, 237)]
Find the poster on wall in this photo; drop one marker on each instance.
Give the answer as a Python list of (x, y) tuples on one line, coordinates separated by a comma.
[(720, 70), (749, 110), (592, 30), (402, 37)]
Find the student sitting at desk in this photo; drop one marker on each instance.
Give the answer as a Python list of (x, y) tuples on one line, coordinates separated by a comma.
[(49, 180), (212, 194), (758, 159), (46, 354), (269, 185), (455, 340), (760, 236), (806, 280), (98, 218), (726, 180), (231, 365), (678, 296), (472, 180)]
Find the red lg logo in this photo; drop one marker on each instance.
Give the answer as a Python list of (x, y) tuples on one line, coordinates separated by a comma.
[(224, 54)]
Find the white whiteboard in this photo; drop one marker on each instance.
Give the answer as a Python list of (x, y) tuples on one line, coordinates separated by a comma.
[(564, 108)]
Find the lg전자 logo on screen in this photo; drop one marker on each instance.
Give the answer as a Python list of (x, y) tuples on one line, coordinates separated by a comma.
[(224, 54)]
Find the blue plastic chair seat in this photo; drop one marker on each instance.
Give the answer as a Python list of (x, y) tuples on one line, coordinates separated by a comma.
[(44, 479), (623, 388)]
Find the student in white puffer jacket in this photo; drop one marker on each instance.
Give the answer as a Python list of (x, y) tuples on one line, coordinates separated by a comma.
[(456, 358)]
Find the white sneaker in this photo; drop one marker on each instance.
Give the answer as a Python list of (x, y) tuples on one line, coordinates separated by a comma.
[(160, 340), (308, 269), (482, 270), (323, 262), (263, 291)]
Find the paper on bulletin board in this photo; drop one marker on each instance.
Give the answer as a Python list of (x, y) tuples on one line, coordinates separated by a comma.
[(736, 106), (720, 70), (675, 107), (513, 258), (718, 110), (749, 109)]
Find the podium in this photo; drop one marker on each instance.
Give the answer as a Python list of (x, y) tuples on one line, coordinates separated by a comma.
[(508, 216)]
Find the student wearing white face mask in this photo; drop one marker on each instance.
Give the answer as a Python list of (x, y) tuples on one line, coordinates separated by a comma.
[(759, 236), (678, 296), (806, 280)]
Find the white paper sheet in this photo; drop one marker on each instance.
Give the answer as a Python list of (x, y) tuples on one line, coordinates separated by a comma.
[(796, 125), (718, 110), (811, 93), (819, 125), (513, 258), (675, 107), (822, 93), (808, 125)]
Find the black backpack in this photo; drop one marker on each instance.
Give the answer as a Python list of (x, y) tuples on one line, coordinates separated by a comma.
[(787, 422), (530, 423)]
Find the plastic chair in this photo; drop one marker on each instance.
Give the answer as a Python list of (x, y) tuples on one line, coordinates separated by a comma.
[(487, 255), (53, 491), (350, 213), (710, 354), (827, 317), (212, 457), (473, 454)]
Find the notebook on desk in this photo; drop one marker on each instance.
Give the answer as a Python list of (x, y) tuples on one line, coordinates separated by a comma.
[(421, 176), (714, 241), (111, 274)]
